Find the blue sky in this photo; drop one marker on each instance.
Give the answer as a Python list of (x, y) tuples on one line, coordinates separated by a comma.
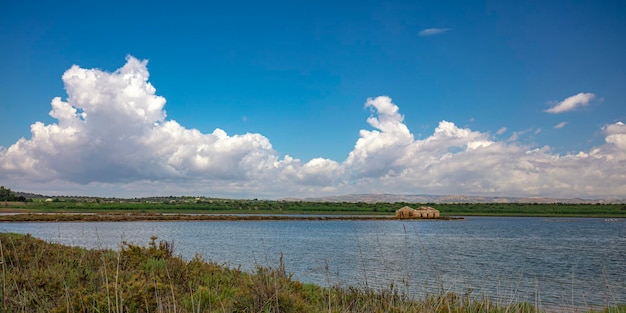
[(299, 74)]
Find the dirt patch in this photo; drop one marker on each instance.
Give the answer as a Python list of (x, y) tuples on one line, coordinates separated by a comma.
[(4, 210)]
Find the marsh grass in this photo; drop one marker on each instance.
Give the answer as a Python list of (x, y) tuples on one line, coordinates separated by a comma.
[(39, 276)]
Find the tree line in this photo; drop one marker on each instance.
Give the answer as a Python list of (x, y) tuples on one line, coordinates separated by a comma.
[(7, 194)]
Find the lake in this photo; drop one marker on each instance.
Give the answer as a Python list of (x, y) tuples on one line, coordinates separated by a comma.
[(567, 264)]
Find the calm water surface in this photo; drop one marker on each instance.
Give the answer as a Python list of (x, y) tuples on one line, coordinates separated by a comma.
[(562, 263)]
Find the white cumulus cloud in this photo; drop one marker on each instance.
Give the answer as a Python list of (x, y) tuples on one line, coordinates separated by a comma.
[(616, 135), (121, 134), (378, 151), (560, 125), (112, 136), (571, 103)]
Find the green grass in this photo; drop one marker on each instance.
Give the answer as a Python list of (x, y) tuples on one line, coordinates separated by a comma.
[(224, 206), (38, 276)]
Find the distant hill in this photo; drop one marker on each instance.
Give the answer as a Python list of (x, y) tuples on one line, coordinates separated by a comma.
[(391, 198), (28, 195), (367, 198)]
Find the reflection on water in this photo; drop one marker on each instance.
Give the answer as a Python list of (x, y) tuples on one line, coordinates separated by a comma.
[(561, 262)]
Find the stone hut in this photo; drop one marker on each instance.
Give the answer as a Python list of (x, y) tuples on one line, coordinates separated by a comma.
[(405, 212), (427, 212), (421, 212)]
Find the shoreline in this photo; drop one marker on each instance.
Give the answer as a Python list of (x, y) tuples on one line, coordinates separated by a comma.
[(148, 217)]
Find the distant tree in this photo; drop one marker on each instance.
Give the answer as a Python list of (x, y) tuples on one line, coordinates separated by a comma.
[(6, 194)]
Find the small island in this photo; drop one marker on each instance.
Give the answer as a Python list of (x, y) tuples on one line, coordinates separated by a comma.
[(421, 212)]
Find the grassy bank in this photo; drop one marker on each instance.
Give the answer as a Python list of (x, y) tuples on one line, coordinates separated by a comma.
[(230, 206), (45, 277), (141, 217)]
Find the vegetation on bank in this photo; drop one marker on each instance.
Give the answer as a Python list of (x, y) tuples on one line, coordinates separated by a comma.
[(46, 277), (7, 194), (186, 204), (229, 206), (142, 217)]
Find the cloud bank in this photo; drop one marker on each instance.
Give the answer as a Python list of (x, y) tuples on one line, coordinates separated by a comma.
[(112, 137)]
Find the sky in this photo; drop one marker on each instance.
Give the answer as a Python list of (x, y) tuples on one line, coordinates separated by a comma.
[(277, 99)]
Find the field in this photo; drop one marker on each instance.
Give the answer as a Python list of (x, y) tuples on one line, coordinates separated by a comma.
[(186, 205)]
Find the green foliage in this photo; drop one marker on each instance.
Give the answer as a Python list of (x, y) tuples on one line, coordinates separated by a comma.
[(7, 194), (221, 206), (613, 309), (534, 209)]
